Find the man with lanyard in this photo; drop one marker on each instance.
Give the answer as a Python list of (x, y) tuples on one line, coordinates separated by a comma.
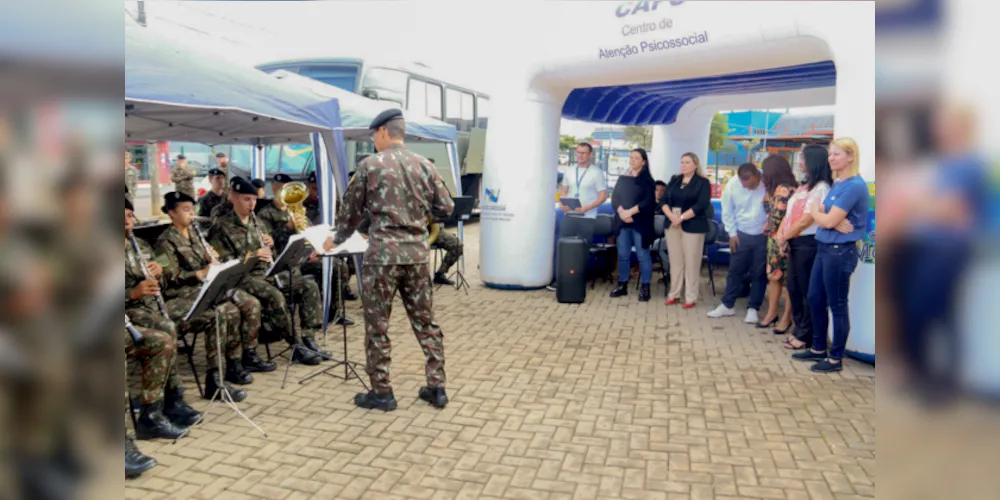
[(585, 183)]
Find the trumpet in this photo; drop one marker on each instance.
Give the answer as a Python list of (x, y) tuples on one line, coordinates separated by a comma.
[(145, 272)]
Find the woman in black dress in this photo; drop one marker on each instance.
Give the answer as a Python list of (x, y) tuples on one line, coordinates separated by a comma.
[(634, 199)]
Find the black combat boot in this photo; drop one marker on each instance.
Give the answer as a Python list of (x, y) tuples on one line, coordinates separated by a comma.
[(311, 344), (342, 319), (621, 290), (177, 410), (372, 401), (348, 294), (304, 356), (434, 395), (135, 462), (152, 424), (213, 383), (644, 293), (253, 363), (441, 278), (236, 374)]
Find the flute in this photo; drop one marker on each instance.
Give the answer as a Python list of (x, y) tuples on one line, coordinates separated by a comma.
[(145, 273)]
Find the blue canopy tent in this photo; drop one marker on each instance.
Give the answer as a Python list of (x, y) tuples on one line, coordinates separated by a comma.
[(172, 94)]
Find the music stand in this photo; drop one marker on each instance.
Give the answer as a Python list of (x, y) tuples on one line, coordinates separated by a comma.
[(350, 367), (220, 289), (461, 214), (291, 258)]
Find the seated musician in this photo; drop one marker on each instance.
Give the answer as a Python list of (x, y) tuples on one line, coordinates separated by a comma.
[(226, 207), (452, 247), (164, 413), (236, 235), (190, 257), (214, 197), (260, 184)]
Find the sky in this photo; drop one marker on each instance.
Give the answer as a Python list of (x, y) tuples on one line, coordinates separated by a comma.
[(443, 38)]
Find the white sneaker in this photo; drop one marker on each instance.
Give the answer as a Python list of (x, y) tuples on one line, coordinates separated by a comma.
[(721, 311), (751, 317)]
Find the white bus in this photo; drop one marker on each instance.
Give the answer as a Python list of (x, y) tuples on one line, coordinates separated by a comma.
[(415, 88)]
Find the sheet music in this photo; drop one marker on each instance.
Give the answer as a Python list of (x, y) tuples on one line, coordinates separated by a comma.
[(213, 272), (354, 245), (317, 235), (291, 240)]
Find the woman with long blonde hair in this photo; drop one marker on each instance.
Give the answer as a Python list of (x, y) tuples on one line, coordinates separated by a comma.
[(836, 255)]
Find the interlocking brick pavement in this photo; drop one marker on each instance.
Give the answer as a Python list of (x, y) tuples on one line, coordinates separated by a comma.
[(608, 399)]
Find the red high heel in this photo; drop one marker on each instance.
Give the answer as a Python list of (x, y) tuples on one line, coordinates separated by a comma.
[(671, 302), (688, 305)]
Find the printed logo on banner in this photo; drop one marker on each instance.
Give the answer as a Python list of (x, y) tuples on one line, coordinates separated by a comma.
[(493, 195), (866, 247), (491, 208)]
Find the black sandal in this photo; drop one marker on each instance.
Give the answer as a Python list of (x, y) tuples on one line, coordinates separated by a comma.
[(787, 344)]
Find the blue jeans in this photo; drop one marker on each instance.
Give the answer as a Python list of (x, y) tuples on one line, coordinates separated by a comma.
[(829, 287), (627, 238), (750, 258)]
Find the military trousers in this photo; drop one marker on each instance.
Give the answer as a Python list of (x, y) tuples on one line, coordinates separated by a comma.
[(452, 247), (146, 318), (414, 286), (156, 354), (222, 320), (305, 294)]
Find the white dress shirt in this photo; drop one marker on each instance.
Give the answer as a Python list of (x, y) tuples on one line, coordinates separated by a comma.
[(742, 209)]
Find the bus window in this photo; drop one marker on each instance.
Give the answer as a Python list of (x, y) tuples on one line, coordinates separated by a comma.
[(340, 76), (455, 109), (434, 101), (482, 111), (468, 112), (424, 98)]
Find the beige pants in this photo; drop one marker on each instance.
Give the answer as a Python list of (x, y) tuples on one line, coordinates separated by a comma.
[(685, 251)]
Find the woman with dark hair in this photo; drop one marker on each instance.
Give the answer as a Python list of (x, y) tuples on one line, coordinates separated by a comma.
[(780, 183), (797, 239), (686, 204), (635, 200)]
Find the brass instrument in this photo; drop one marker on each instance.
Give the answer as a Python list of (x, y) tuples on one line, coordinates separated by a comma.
[(433, 230), (145, 273), (293, 195)]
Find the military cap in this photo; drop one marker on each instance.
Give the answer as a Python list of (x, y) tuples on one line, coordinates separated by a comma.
[(258, 183), (311, 179), (240, 185), (282, 179), (214, 172), (129, 206), (182, 157), (220, 155), (174, 198), (385, 117)]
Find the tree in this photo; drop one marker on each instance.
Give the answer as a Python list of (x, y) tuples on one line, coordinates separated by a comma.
[(567, 142), (640, 136), (718, 137)]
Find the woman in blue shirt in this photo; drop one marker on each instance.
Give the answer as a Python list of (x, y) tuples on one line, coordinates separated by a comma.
[(843, 221)]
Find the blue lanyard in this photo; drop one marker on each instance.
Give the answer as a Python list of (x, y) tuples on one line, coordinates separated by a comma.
[(578, 179)]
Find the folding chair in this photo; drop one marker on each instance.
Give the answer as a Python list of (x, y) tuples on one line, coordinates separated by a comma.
[(710, 248)]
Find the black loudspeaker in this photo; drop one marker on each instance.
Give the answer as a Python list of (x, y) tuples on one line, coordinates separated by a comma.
[(571, 277)]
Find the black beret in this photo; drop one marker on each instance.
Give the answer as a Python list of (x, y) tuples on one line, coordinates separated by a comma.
[(182, 157), (259, 183), (282, 179), (220, 155), (385, 117), (242, 186), (215, 172), (311, 179), (172, 199), (128, 205)]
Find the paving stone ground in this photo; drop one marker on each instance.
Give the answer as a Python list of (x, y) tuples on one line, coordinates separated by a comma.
[(608, 399)]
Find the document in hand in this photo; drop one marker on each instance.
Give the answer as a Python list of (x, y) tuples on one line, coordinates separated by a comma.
[(217, 273), (356, 244)]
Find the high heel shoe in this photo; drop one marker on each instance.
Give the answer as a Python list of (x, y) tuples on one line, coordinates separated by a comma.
[(782, 332), (769, 324)]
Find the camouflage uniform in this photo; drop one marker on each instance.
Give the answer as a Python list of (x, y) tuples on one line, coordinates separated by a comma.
[(279, 225), (239, 318), (131, 183), (452, 247), (145, 312), (399, 190), (220, 210), (157, 354), (183, 179), (233, 239), (210, 201)]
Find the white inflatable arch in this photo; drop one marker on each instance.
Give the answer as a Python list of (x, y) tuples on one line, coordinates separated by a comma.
[(670, 65)]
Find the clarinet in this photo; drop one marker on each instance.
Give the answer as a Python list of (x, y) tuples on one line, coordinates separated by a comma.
[(145, 273), (260, 238), (136, 336), (209, 251)]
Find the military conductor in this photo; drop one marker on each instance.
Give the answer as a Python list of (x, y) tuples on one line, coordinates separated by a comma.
[(399, 190)]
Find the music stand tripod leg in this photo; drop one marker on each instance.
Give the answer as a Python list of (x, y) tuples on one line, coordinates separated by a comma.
[(220, 392)]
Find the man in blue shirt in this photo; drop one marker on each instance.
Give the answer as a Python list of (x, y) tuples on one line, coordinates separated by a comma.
[(744, 219)]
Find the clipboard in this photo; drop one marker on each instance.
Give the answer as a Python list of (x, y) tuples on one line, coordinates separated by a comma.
[(570, 203)]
